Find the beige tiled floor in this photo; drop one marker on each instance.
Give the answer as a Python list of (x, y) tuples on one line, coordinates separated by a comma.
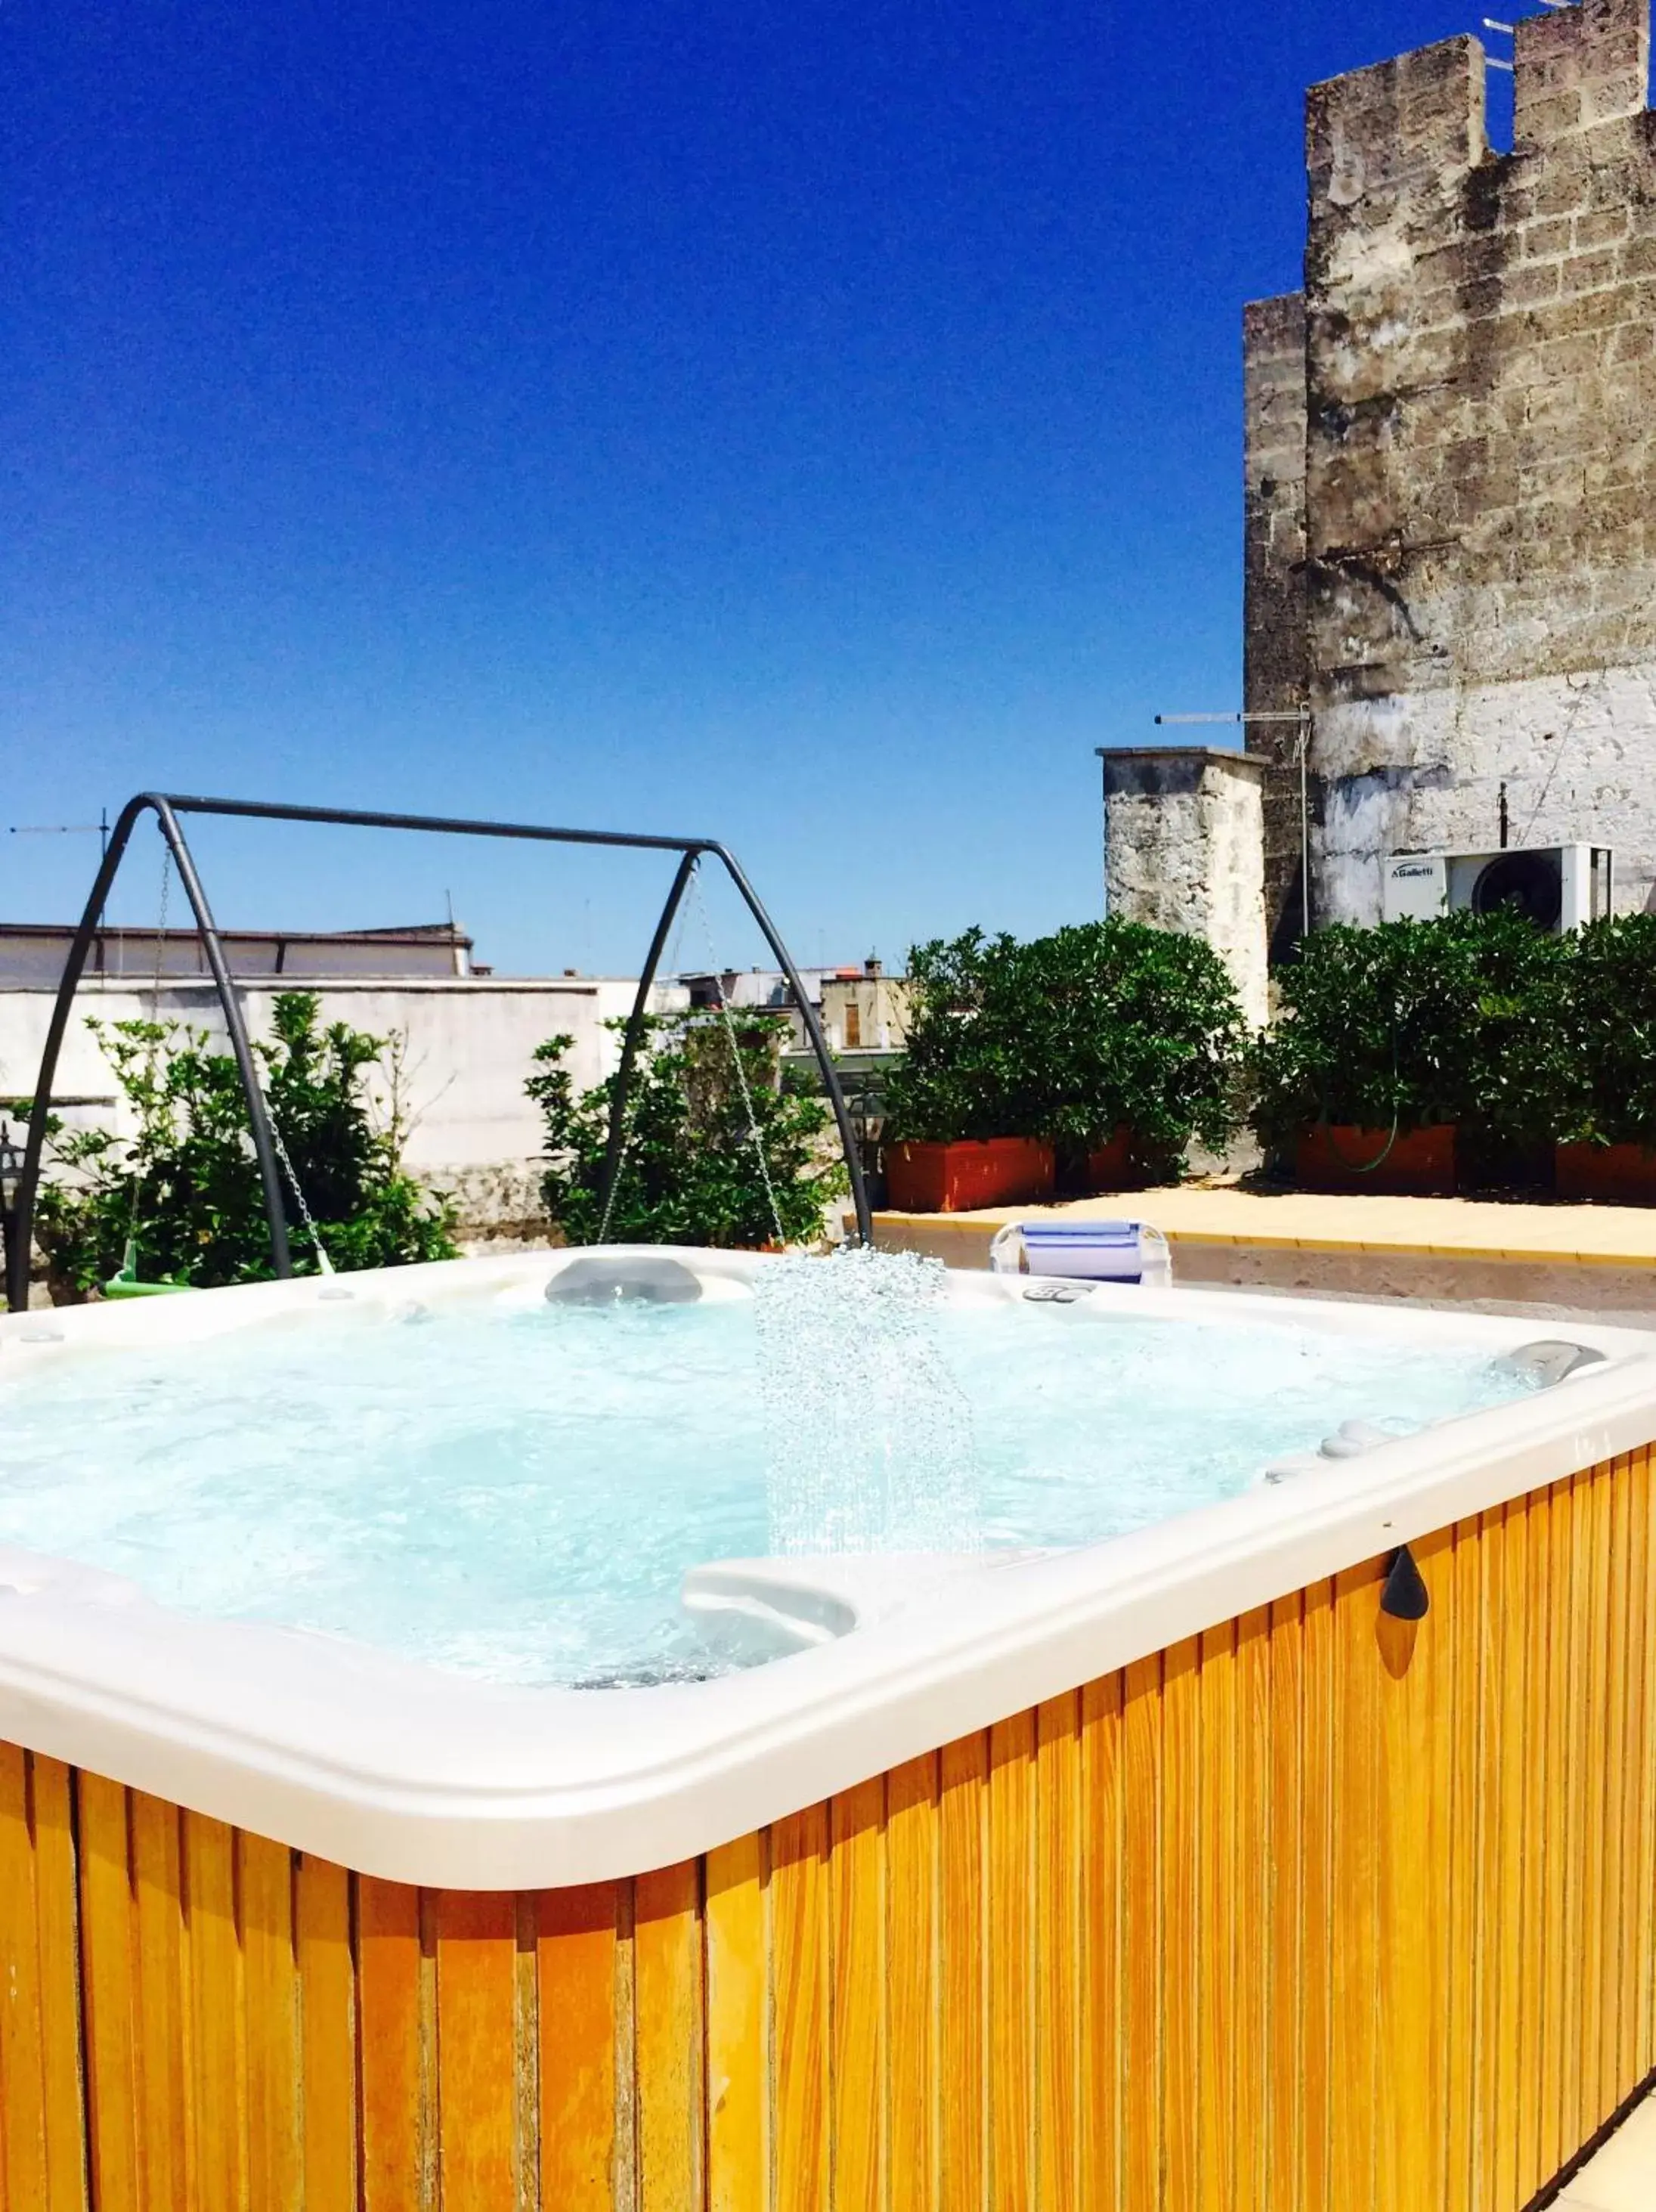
[(1624, 1235), (1622, 2178)]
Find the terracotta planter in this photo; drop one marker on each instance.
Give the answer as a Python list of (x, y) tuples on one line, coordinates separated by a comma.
[(1624, 1175), (1337, 1157), (1114, 1166), (953, 1178)]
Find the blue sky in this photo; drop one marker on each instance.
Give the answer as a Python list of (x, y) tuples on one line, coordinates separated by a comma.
[(815, 425)]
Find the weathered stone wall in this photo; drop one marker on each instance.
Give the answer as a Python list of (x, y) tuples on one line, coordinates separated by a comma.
[(1479, 564), (1275, 643), (1182, 850)]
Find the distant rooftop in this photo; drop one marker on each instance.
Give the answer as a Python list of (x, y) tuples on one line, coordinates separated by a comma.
[(32, 953)]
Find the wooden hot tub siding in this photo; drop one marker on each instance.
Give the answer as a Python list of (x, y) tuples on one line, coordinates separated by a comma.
[(1318, 1911)]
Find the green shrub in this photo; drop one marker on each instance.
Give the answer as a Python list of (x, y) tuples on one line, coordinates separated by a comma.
[(198, 1209), (1069, 1037), (1611, 1016), (1465, 1020), (691, 1173)]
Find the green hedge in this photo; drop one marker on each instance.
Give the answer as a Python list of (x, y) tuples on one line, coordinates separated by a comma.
[(1519, 1038), (1461, 1020), (1609, 1095), (1068, 1037)]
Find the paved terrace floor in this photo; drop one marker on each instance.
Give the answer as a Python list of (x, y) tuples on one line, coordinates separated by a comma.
[(1489, 1252), (1622, 2177)]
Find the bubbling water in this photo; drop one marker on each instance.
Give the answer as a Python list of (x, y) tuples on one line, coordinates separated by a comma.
[(870, 1445)]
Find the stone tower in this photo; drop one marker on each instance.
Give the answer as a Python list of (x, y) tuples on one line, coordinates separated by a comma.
[(1451, 469)]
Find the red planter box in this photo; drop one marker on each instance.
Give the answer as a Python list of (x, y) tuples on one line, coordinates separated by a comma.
[(953, 1178), (1113, 1167), (1420, 1164), (1624, 1175)]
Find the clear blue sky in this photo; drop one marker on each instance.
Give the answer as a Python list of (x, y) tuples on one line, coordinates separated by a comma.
[(817, 425)]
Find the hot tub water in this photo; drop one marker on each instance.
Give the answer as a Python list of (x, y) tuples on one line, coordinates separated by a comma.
[(517, 1492)]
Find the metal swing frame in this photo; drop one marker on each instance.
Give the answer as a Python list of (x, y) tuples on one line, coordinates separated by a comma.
[(168, 806)]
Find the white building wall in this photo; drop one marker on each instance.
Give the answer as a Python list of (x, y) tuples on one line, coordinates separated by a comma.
[(466, 1049)]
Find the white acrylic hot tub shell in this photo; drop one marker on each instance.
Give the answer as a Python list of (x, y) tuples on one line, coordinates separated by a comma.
[(426, 1776)]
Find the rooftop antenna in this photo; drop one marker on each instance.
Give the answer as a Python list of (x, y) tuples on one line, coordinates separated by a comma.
[(98, 829), (1301, 717)]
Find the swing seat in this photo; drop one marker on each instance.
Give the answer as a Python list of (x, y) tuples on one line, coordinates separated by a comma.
[(124, 1284)]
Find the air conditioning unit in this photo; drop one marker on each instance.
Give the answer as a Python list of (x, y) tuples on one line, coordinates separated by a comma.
[(1560, 887)]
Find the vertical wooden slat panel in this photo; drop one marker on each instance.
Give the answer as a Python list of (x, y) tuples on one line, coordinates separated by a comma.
[(1643, 1941), (1102, 2027), (1319, 2089), (1512, 1800), (1011, 1881), (1057, 1960), (1141, 1935), (1489, 1557), (1531, 1904), (576, 2015), (1613, 1782), (164, 2117), (1575, 2125), (1592, 1593), (217, 2050), (1252, 1863), (1218, 2027), (476, 1936), (1553, 1692), (738, 2056), (963, 2108), (1286, 1991), (398, 2166), (1436, 1726), (57, 1924), (1411, 1933), (668, 2030), (800, 1999), (1595, 1719), (108, 1994), (1631, 1769), (327, 1981), (23, 2170), (270, 1980), (857, 2069), (1181, 1919), (1351, 1929), (913, 1821), (1462, 1722)]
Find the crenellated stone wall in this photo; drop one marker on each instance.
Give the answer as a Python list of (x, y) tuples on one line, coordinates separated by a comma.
[(1451, 457)]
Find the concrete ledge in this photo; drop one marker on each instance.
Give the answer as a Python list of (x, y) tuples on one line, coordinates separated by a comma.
[(1599, 1258)]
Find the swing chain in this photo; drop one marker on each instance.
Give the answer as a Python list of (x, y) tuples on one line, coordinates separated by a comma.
[(130, 1258), (754, 1132), (323, 1265), (630, 1108)]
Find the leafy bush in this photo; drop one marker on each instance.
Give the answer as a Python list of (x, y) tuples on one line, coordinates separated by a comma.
[(198, 1209), (1610, 1095), (690, 1173), (1068, 1037), (1462, 1019)]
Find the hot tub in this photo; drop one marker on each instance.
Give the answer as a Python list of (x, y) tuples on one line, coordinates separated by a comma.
[(1125, 1861)]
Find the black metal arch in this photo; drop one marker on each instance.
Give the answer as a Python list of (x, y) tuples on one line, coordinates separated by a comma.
[(167, 807)]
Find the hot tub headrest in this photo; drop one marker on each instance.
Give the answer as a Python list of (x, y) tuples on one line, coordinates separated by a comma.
[(1548, 1360), (632, 1280)]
